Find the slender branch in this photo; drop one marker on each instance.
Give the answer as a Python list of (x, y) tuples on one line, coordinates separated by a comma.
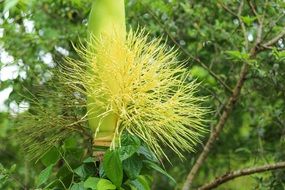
[(239, 173), (238, 16), (227, 9), (252, 7), (273, 25), (275, 39), (242, 25)]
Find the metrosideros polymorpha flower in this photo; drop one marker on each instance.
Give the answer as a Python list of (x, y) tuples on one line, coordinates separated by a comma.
[(126, 83)]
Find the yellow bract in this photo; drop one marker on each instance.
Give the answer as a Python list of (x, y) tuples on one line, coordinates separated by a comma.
[(141, 88)]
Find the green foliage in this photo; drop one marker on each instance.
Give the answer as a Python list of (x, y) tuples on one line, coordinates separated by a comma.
[(91, 182), (9, 4), (132, 166), (253, 135), (113, 167), (104, 184), (117, 172), (44, 175)]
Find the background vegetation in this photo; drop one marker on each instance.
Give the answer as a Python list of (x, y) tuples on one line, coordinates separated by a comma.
[(235, 48)]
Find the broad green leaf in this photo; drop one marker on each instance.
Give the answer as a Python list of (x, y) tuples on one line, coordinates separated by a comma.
[(78, 186), (132, 166), (80, 171), (141, 183), (8, 4), (104, 184), (127, 151), (51, 157), (91, 182), (113, 167), (147, 153), (159, 169), (130, 145), (44, 175), (70, 143)]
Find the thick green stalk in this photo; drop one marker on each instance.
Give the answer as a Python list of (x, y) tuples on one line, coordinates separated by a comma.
[(106, 20), (107, 17)]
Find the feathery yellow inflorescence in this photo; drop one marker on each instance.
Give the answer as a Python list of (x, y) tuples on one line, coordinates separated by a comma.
[(145, 90)]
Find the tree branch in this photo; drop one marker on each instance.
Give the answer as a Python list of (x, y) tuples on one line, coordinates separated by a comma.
[(227, 109), (239, 173), (238, 16), (217, 129), (227, 9), (252, 7), (225, 113), (242, 25), (275, 39)]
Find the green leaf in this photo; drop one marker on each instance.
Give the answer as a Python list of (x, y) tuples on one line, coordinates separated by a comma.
[(91, 182), (12, 168), (248, 20), (44, 175), (105, 184), (130, 145), (78, 186), (102, 173), (236, 55), (159, 169), (202, 74), (80, 171), (132, 166), (2, 177), (70, 143), (141, 183), (147, 153), (4, 125), (88, 160), (113, 167), (51, 157), (8, 4)]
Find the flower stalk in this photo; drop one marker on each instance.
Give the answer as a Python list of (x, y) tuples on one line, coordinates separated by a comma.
[(106, 21)]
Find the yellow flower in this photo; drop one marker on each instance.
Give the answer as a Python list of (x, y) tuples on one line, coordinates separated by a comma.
[(138, 85)]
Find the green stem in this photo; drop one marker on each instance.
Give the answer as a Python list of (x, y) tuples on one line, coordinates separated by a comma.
[(106, 20)]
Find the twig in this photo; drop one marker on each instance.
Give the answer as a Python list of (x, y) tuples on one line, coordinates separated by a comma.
[(238, 16), (239, 173), (227, 9), (273, 25), (274, 40), (260, 21), (242, 25), (253, 10)]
